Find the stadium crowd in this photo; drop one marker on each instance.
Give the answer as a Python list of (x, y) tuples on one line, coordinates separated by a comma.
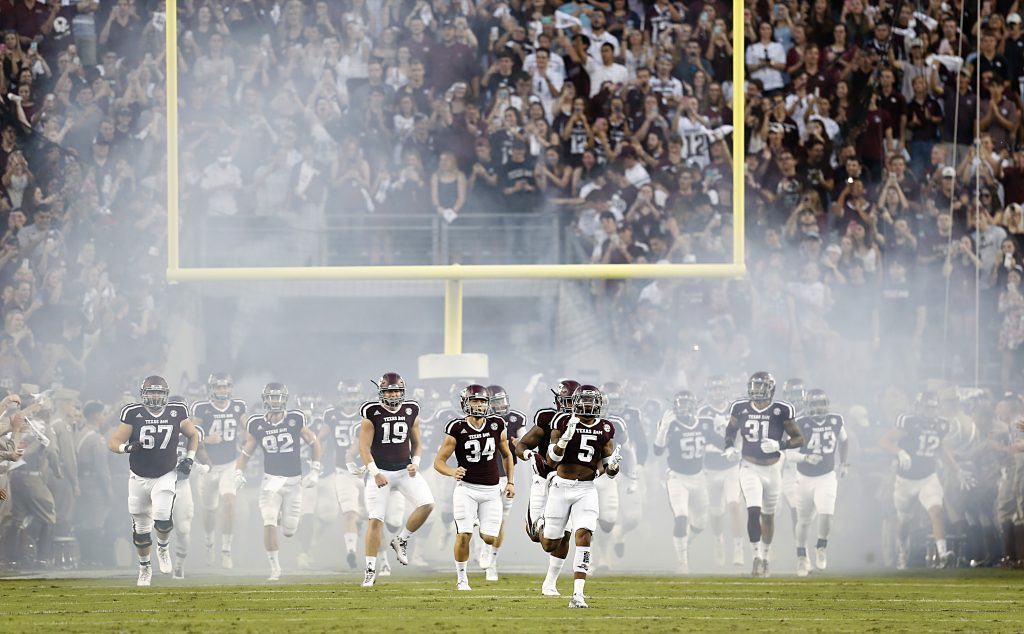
[(884, 188)]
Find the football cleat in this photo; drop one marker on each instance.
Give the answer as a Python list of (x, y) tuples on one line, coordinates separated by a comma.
[(225, 560), (401, 548), (485, 557), (385, 569), (820, 560), (803, 566), (947, 561), (179, 570), (577, 601), (756, 570), (550, 591), (163, 557), (145, 575), (305, 562), (492, 574), (351, 560), (370, 577), (764, 569), (275, 574), (462, 586)]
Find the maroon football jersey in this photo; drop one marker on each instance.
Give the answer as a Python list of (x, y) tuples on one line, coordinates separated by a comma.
[(476, 449), (587, 445), (392, 444), (543, 419), (515, 421)]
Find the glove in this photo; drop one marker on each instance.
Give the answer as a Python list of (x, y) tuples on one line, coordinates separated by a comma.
[(311, 479), (129, 447), (355, 469), (570, 431), (732, 454), (528, 454), (615, 459), (769, 445), (810, 458), (904, 460), (185, 466), (239, 480), (967, 481), (201, 469)]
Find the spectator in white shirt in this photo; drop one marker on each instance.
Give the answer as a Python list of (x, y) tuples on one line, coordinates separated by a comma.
[(599, 36), (766, 59), (546, 83), (606, 70)]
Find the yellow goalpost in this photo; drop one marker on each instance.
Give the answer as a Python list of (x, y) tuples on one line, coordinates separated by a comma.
[(453, 274)]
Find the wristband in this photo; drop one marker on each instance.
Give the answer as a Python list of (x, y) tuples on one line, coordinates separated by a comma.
[(315, 466), (372, 468), (563, 443), (191, 455), (416, 460), (551, 454), (121, 448)]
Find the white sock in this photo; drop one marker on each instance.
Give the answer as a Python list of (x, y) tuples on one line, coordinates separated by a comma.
[(272, 558), (494, 558), (460, 571), (143, 560), (680, 544), (737, 545), (225, 542), (756, 546), (764, 550), (554, 569), (210, 540), (350, 542), (371, 563), (577, 586), (940, 546), (404, 534), (581, 561)]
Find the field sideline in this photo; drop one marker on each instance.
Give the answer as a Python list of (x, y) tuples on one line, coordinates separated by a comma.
[(971, 601)]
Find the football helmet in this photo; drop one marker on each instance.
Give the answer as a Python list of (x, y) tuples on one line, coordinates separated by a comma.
[(613, 397), (154, 392), (794, 391), (219, 386), (684, 404), (274, 396), (927, 402), (474, 400), (391, 382), (349, 394), (817, 403), (761, 386), (499, 400), (308, 404), (587, 401), (717, 388), (564, 392)]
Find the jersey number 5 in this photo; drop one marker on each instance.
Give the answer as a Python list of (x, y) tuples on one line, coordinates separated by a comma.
[(147, 435), (587, 448)]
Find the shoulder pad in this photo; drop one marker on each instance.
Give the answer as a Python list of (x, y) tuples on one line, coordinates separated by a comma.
[(128, 409), (450, 427), (364, 411)]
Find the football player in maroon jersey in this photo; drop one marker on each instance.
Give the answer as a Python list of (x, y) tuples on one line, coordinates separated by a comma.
[(475, 439), (581, 446), (390, 446), (533, 448)]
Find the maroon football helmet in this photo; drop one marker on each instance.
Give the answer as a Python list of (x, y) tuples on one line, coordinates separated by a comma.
[(563, 394), (391, 382), (474, 400)]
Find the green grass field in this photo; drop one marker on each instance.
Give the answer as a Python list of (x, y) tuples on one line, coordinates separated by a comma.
[(975, 601)]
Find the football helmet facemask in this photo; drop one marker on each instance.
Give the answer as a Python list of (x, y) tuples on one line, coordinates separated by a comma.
[(564, 392), (794, 391), (154, 392), (474, 400), (391, 382), (684, 404), (761, 386), (275, 397), (587, 401), (499, 400), (613, 398), (219, 386), (817, 403)]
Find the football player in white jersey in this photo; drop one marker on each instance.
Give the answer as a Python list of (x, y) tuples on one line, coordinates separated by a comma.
[(817, 476), (279, 432)]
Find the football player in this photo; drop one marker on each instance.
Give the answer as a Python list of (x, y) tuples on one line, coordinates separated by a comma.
[(219, 416), (685, 436), (764, 424), (581, 444), (280, 433), (816, 478), (515, 425), (319, 503), (794, 392), (721, 473), (390, 446), (475, 439), (916, 441), (148, 433), (613, 517), (533, 448), (341, 427)]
